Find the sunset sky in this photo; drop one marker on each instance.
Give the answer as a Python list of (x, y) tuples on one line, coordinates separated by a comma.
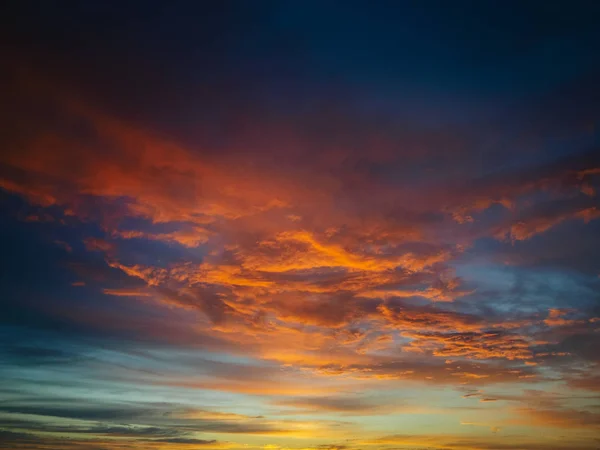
[(297, 224)]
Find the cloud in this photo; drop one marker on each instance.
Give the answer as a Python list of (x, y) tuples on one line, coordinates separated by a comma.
[(590, 382), (126, 293), (562, 418), (187, 441), (83, 411), (543, 219), (339, 404), (495, 442), (472, 345), (354, 263)]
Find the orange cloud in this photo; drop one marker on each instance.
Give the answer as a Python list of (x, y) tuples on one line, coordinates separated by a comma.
[(126, 293), (526, 229), (347, 269), (562, 418)]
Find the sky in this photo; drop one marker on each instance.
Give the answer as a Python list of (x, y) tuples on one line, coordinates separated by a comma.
[(286, 225)]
